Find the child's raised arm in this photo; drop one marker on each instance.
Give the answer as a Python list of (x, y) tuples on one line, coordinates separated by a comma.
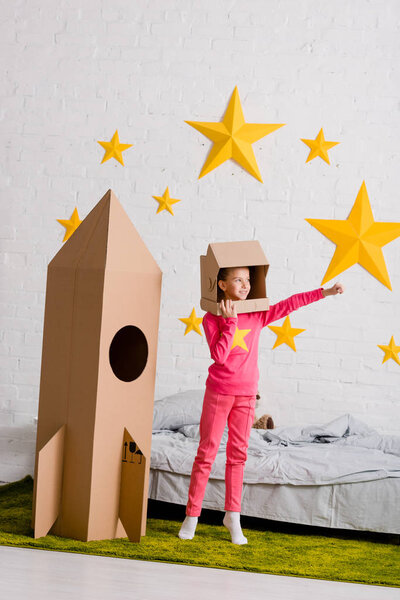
[(285, 307)]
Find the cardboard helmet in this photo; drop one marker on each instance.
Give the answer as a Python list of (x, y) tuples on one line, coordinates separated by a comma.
[(234, 254)]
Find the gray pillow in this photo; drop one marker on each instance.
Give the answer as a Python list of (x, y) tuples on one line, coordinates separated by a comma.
[(183, 408)]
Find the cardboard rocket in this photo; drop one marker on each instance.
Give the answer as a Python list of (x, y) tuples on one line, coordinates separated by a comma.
[(97, 381), (234, 254)]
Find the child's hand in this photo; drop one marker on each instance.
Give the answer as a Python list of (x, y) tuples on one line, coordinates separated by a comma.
[(228, 309), (335, 289)]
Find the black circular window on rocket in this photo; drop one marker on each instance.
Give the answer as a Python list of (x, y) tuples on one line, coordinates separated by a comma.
[(128, 353)]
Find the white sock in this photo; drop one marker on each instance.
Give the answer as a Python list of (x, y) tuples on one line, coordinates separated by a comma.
[(232, 522), (188, 528)]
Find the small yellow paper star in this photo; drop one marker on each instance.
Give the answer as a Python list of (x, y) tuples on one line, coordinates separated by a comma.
[(391, 351), (165, 202), (238, 338), (114, 149), (319, 147), (192, 323), (286, 334), (232, 138), (70, 224), (359, 239)]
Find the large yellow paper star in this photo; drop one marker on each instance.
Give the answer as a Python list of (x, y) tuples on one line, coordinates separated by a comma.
[(70, 224), (192, 323), (238, 338), (286, 334), (232, 138), (114, 149), (319, 147), (391, 351), (165, 202), (358, 240)]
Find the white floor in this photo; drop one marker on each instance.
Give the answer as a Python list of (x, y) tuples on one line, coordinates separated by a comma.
[(43, 575)]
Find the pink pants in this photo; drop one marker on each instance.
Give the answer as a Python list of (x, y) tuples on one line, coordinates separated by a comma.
[(217, 410)]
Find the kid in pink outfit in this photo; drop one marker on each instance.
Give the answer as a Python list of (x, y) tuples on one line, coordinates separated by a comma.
[(230, 394)]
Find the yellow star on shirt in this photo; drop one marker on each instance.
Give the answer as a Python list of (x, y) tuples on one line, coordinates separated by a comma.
[(232, 138), (359, 239), (391, 351), (286, 334), (319, 147), (70, 224), (192, 323), (114, 149), (165, 202), (238, 338)]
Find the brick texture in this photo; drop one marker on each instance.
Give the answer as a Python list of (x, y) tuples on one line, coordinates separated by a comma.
[(75, 72)]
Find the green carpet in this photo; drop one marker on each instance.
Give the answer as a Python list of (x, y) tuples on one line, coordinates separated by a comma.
[(358, 557)]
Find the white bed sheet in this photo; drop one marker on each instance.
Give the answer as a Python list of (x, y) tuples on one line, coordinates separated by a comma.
[(341, 474)]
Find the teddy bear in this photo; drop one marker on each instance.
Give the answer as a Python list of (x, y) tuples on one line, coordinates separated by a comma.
[(265, 421)]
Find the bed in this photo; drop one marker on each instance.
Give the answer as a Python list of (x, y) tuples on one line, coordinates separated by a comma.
[(342, 474)]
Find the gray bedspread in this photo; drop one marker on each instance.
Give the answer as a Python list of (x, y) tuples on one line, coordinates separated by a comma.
[(344, 450)]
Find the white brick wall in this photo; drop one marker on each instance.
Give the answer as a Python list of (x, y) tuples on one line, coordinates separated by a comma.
[(73, 72)]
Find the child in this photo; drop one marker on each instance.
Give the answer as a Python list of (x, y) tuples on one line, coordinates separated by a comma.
[(231, 389)]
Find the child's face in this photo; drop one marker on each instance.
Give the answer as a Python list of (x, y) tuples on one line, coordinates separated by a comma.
[(237, 284)]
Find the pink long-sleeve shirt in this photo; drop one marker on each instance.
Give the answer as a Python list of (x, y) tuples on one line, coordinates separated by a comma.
[(233, 344)]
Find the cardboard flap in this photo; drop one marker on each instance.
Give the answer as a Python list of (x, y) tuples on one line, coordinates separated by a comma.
[(49, 483), (132, 487), (237, 254)]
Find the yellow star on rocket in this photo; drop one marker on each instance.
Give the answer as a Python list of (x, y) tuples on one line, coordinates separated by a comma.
[(232, 138), (70, 224), (286, 334), (192, 323), (391, 351), (359, 239), (114, 149), (319, 147), (165, 202), (238, 338)]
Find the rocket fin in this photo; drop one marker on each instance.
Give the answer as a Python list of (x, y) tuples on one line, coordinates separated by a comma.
[(132, 487), (49, 483)]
